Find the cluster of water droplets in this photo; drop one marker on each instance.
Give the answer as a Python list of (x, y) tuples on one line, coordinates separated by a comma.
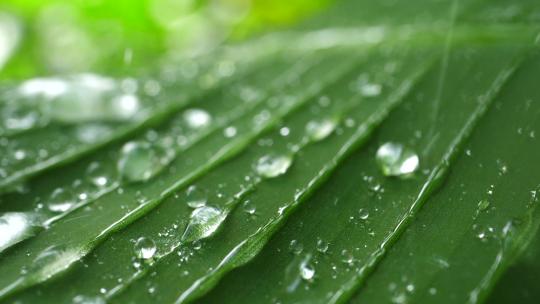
[(74, 99)]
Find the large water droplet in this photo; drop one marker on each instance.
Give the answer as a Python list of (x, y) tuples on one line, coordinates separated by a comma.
[(53, 260), (15, 227), (396, 160), (203, 223), (145, 248), (320, 129), (61, 200), (140, 161), (273, 165)]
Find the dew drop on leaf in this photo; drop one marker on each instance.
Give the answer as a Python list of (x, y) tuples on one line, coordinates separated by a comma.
[(307, 271), (196, 198), (322, 246), (197, 118), (80, 299), (145, 248), (204, 222), (296, 247), (16, 226), (370, 89), (61, 200), (230, 132), (363, 214), (140, 161), (249, 207), (396, 160), (54, 259), (270, 166), (320, 129)]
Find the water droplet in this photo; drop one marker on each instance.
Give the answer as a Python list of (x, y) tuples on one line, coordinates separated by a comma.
[(19, 155), (307, 271), (319, 130), (370, 89), (249, 207), (195, 197), (140, 161), (54, 259), (270, 166), (396, 160), (363, 214), (347, 257), (145, 248), (197, 118), (61, 200), (92, 132), (322, 246), (97, 175), (80, 299), (484, 233), (284, 131), (15, 227), (230, 132), (204, 222), (296, 247)]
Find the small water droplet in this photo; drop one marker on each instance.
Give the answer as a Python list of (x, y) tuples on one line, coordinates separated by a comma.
[(396, 160), (319, 130), (370, 89), (61, 200), (363, 214), (80, 299), (322, 246), (145, 248), (284, 131), (296, 247), (347, 257), (230, 132), (196, 198), (270, 166), (249, 207), (140, 161), (204, 222), (197, 118)]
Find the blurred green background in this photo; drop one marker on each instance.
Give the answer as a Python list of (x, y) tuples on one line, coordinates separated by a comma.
[(40, 37)]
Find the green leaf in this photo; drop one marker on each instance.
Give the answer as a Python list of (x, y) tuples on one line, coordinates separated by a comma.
[(366, 210), (380, 152)]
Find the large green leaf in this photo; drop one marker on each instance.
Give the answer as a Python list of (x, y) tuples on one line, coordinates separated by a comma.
[(380, 152)]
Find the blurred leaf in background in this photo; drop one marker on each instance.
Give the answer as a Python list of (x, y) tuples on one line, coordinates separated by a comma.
[(62, 36)]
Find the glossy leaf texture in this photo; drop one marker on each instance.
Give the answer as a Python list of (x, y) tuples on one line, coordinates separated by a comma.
[(381, 152)]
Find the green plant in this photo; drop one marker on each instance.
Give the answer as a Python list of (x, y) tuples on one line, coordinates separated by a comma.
[(381, 152)]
